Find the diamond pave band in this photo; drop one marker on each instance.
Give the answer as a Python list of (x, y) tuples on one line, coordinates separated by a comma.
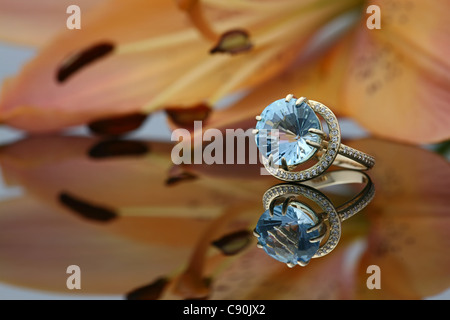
[(289, 133)]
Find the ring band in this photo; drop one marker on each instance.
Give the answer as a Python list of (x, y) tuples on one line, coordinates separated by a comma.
[(297, 121), (292, 232), (340, 177)]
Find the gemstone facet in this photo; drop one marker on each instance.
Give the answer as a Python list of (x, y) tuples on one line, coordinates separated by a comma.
[(283, 130), (285, 237)]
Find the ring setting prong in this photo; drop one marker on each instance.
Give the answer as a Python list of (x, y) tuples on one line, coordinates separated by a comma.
[(301, 100), (303, 264), (271, 160), (289, 97), (271, 208), (313, 144), (290, 264), (284, 165), (317, 239), (316, 227), (286, 205), (318, 132)]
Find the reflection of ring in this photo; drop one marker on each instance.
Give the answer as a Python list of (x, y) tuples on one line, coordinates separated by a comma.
[(292, 232), (288, 133)]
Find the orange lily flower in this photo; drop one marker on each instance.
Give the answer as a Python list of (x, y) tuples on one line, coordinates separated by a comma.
[(190, 237), (139, 56)]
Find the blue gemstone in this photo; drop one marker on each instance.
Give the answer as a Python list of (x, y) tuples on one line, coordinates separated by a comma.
[(284, 237), (283, 129)]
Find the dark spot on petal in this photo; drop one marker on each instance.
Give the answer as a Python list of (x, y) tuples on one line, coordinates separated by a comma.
[(373, 87), (365, 73), (77, 61), (233, 41), (381, 249), (149, 292), (183, 176), (233, 243), (117, 148), (117, 126), (185, 117), (86, 210)]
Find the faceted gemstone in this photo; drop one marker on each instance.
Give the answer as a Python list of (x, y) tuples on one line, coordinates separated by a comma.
[(283, 129), (284, 237)]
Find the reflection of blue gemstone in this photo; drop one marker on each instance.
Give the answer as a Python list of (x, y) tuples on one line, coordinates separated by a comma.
[(285, 238), (290, 122)]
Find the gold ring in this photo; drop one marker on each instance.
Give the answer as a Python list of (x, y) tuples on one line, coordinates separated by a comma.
[(289, 133), (301, 223)]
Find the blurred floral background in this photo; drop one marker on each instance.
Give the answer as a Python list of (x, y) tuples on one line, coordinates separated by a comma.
[(86, 117)]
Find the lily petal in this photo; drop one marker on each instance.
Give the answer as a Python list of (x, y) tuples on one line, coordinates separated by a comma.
[(38, 238), (392, 81), (36, 23), (409, 223), (392, 94), (158, 59)]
